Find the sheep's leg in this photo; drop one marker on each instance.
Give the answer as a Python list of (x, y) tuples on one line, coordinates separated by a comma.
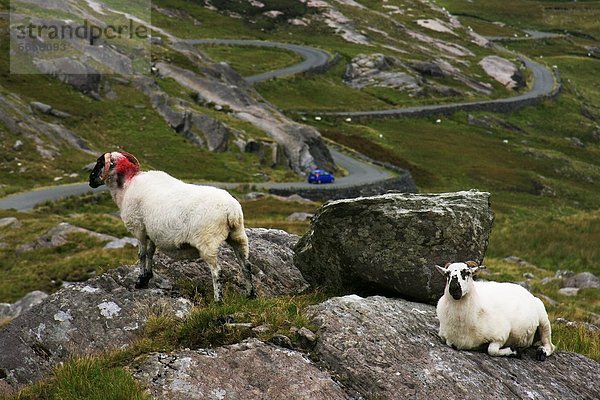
[(145, 273), (240, 249), (208, 248), (495, 350), (217, 278), (547, 348), (150, 249)]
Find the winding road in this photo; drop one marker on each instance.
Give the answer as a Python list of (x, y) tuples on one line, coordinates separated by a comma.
[(359, 172), (312, 57)]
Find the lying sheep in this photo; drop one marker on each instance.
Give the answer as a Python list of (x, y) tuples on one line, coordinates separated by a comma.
[(502, 315), (182, 220)]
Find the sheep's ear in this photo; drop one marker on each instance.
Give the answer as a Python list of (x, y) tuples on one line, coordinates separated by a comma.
[(130, 157), (442, 269), (106, 169), (477, 268)]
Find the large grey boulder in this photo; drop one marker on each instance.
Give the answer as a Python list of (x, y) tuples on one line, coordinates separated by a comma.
[(271, 256), (101, 314), (389, 349), (582, 280), (215, 133), (389, 244), (247, 370)]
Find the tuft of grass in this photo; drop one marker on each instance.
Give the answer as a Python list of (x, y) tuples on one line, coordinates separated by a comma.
[(214, 324), (85, 378), (579, 339), (4, 322)]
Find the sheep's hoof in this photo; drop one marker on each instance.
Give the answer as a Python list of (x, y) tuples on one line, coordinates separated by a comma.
[(142, 282), (541, 354), (518, 352)]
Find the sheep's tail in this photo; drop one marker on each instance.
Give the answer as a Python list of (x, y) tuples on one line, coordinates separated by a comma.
[(235, 220), (237, 232)]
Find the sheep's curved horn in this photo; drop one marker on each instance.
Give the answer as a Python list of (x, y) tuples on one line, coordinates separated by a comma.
[(131, 158), (106, 167), (472, 264), (441, 269)]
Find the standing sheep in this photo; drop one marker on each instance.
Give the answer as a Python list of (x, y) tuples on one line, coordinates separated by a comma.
[(181, 219), (501, 315)]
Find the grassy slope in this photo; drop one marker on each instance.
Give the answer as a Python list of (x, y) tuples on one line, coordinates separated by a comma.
[(251, 60)]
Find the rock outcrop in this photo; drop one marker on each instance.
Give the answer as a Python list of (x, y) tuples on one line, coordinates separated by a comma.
[(59, 236), (254, 370), (101, 314), (303, 145), (389, 349), (379, 70), (73, 72), (389, 244), (582, 280), (271, 256), (503, 71), (107, 312), (10, 222), (48, 138)]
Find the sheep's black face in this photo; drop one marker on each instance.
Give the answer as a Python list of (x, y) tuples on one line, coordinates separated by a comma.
[(96, 176), (454, 288), (459, 278)]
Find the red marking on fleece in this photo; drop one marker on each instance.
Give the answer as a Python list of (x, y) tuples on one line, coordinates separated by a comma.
[(126, 168)]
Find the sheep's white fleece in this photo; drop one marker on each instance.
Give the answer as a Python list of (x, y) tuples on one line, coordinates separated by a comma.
[(158, 203), (491, 312)]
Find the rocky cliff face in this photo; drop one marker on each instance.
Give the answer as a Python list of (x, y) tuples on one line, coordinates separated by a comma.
[(302, 144)]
